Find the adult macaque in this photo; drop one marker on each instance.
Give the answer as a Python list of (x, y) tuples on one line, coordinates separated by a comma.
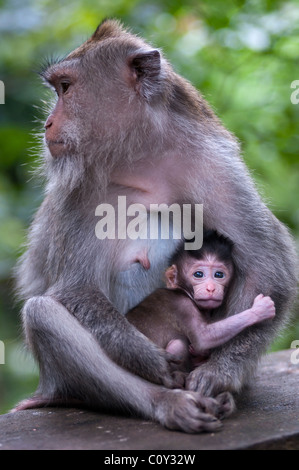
[(124, 123), (180, 318)]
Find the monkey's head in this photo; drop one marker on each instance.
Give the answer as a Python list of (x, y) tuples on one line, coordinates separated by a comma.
[(204, 274), (103, 88), (116, 96)]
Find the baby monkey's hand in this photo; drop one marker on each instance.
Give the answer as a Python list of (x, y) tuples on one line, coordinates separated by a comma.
[(263, 307)]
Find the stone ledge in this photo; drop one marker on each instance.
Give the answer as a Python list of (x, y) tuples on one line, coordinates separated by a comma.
[(267, 418)]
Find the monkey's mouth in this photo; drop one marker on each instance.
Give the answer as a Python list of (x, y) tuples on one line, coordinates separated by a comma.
[(56, 147), (208, 303), (51, 143)]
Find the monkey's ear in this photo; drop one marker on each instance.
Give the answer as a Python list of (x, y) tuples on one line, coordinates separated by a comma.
[(171, 277), (145, 71)]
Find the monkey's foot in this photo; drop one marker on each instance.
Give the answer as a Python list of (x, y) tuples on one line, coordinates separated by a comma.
[(42, 402), (226, 405), (188, 411)]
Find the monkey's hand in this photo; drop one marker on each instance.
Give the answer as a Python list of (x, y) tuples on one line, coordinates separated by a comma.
[(210, 379), (142, 357), (263, 308), (167, 373)]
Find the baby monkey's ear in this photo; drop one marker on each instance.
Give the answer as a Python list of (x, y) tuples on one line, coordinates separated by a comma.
[(171, 277)]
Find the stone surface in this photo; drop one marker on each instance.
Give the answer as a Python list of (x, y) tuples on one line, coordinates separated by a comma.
[(267, 418)]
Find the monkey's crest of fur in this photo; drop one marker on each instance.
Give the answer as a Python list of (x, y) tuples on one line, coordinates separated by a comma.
[(178, 93), (108, 28)]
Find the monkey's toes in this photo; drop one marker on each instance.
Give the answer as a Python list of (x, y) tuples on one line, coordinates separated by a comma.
[(184, 411), (226, 405)]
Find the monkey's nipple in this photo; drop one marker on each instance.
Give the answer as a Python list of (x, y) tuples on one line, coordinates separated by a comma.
[(142, 258)]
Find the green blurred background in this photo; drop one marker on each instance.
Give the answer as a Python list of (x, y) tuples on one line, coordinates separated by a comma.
[(243, 55)]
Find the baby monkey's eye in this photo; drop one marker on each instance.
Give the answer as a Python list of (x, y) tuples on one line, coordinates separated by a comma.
[(219, 275), (198, 274)]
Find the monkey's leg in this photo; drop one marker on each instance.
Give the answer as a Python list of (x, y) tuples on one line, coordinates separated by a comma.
[(121, 341), (73, 364)]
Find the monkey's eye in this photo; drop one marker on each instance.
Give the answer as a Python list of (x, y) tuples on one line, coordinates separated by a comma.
[(198, 274), (219, 275), (65, 86)]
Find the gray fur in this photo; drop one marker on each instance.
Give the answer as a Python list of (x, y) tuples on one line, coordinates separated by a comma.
[(117, 123)]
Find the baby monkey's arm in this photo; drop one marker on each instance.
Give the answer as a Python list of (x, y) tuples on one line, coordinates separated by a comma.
[(204, 337)]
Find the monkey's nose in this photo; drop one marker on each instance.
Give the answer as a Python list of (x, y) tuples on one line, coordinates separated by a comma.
[(210, 288), (48, 123)]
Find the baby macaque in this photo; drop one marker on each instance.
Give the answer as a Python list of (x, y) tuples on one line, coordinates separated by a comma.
[(179, 318)]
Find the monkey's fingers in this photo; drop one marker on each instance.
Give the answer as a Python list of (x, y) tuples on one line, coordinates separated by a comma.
[(179, 378), (172, 358), (183, 411), (258, 297), (208, 380), (226, 405), (220, 407), (197, 417), (202, 422)]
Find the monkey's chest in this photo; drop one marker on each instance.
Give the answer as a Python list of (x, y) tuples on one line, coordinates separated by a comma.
[(129, 286)]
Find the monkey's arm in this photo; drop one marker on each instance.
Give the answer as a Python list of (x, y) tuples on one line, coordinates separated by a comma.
[(215, 334), (123, 343)]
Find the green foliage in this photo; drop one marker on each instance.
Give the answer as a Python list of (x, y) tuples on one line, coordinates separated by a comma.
[(242, 55)]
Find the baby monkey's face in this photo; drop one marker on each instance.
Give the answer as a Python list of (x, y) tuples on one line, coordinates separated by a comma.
[(205, 280), (209, 278)]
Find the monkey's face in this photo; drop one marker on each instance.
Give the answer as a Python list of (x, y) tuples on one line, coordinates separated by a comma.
[(86, 127), (83, 112), (102, 94), (115, 97), (205, 280), (209, 278)]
